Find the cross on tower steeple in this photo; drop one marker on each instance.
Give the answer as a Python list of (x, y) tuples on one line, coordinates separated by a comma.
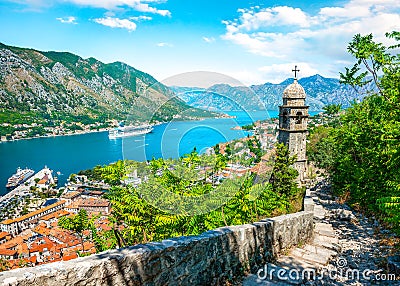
[(295, 72)]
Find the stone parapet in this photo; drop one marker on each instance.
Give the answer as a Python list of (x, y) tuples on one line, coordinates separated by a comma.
[(211, 258)]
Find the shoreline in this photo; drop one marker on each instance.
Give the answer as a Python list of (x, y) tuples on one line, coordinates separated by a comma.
[(58, 135), (105, 129)]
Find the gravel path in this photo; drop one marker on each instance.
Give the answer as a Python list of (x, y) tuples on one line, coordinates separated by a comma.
[(348, 249)]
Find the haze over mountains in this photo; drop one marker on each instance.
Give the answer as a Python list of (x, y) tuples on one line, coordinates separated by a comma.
[(320, 91)]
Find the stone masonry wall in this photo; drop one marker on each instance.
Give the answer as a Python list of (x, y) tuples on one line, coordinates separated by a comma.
[(211, 258)]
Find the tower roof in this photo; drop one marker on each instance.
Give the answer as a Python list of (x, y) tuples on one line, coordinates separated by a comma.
[(294, 90)]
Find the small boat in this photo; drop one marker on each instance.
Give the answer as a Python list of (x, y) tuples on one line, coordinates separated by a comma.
[(127, 131), (19, 178)]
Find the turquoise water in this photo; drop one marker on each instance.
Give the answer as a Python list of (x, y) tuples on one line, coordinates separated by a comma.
[(69, 154)]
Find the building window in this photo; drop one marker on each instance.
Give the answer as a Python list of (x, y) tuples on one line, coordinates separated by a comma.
[(299, 117), (285, 118)]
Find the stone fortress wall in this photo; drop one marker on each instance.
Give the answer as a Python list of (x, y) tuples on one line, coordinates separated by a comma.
[(211, 258)]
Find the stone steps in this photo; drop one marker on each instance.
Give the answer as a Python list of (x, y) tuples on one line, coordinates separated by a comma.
[(313, 254), (301, 261), (252, 280), (287, 262), (319, 212)]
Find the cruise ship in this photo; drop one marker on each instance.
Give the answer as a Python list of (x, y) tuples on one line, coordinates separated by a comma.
[(126, 131), (19, 178)]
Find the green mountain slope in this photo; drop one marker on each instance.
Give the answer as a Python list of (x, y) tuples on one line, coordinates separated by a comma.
[(54, 87)]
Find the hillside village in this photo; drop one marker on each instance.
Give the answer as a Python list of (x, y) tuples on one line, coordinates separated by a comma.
[(34, 238)]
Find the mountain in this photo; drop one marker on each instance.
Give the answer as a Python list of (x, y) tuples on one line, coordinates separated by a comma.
[(61, 85), (320, 92), (219, 97)]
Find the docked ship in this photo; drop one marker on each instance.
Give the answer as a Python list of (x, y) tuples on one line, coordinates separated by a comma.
[(126, 131), (19, 178)]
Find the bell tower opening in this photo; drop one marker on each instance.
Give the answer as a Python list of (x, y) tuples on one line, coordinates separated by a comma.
[(285, 119), (299, 117)]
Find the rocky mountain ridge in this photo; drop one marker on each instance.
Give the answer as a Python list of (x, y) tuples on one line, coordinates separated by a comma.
[(320, 92), (51, 84)]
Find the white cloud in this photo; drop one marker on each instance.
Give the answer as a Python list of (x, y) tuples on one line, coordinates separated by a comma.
[(284, 35), (138, 5), (251, 19), (275, 73), (359, 8), (143, 7), (141, 18), (163, 44), (67, 20), (209, 39), (116, 23)]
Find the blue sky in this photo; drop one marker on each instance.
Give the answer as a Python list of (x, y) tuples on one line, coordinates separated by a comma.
[(252, 41)]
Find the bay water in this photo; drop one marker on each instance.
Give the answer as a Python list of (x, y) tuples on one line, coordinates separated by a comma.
[(70, 154)]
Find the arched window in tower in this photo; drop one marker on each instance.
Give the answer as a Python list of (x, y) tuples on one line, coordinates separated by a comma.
[(285, 119), (299, 117)]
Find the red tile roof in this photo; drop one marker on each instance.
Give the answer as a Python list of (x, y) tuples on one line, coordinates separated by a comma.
[(69, 257), (3, 234), (40, 244), (31, 214), (7, 252)]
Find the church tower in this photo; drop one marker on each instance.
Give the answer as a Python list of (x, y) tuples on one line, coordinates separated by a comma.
[(293, 116)]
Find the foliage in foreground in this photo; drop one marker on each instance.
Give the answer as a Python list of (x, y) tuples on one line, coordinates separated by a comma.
[(362, 153), (139, 216)]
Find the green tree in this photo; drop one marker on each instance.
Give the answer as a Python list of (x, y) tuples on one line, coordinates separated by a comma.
[(228, 150), (372, 59), (321, 147), (24, 210), (191, 159), (283, 178), (167, 204), (390, 207), (332, 109), (114, 173), (135, 214), (216, 149), (255, 147), (364, 163), (72, 178), (4, 265), (76, 223)]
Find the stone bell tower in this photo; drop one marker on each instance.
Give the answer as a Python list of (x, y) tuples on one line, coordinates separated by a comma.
[(293, 116)]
